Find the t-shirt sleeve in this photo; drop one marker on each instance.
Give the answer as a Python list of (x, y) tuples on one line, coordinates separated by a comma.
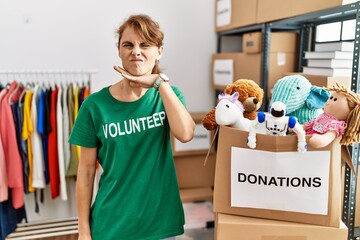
[(179, 95), (83, 133)]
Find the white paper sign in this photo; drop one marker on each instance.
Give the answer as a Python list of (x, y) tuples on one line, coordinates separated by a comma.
[(200, 141), (223, 14), (281, 59), (286, 181), (223, 71)]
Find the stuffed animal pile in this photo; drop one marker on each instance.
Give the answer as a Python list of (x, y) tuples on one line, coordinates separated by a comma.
[(250, 95), (309, 109)]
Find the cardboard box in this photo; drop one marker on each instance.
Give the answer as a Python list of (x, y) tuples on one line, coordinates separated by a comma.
[(231, 14), (307, 6), (231, 137), (200, 143), (270, 10), (248, 66), (279, 42), (196, 194), (191, 172), (229, 227), (324, 81)]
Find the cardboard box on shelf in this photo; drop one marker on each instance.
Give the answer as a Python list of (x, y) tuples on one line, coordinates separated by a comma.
[(200, 143), (248, 66), (279, 42), (324, 81), (230, 227), (270, 10), (297, 211), (196, 194), (231, 14), (307, 6), (191, 172)]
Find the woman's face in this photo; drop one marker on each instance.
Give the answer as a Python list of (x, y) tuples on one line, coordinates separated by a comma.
[(138, 56)]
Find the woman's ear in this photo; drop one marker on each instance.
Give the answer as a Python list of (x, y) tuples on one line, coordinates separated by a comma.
[(160, 51)]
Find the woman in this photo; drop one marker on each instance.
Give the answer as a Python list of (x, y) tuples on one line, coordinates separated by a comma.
[(126, 127)]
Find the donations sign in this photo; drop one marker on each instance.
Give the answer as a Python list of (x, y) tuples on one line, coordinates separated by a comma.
[(286, 181)]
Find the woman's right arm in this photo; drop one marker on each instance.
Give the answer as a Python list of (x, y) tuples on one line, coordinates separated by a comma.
[(84, 189)]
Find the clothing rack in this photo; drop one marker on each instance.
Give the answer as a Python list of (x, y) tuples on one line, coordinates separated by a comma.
[(47, 72)]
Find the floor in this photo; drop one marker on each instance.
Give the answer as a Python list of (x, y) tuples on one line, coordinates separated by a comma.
[(197, 234), (199, 221)]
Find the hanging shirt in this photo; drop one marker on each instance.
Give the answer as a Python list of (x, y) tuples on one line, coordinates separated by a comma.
[(3, 172), (52, 148), (10, 217), (76, 110), (26, 135), (42, 128), (65, 117), (60, 144), (17, 108), (74, 162), (38, 176), (12, 156)]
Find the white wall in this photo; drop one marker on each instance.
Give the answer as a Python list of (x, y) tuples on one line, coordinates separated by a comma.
[(79, 34)]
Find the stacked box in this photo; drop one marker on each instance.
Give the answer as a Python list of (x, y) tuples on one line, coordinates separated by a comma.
[(228, 67), (230, 227), (231, 14), (195, 180), (272, 10), (276, 182)]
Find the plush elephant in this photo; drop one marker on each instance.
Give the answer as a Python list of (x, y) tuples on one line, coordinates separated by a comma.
[(302, 99)]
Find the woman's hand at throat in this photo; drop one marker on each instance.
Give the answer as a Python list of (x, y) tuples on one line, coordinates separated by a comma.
[(145, 81)]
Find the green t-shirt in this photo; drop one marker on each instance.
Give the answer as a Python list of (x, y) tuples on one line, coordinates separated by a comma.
[(138, 195)]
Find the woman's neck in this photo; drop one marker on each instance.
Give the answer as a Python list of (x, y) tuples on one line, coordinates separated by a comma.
[(123, 91)]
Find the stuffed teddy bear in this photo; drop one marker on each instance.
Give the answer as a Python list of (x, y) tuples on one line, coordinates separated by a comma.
[(302, 99), (341, 117), (250, 95)]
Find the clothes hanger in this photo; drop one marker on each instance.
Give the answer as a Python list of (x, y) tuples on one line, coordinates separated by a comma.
[(13, 92)]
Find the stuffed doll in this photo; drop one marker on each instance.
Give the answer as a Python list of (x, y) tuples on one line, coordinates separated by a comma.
[(250, 95), (275, 123), (303, 100), (229, 112), (341, 117)]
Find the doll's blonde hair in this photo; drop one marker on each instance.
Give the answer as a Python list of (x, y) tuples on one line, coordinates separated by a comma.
[(352, 131)]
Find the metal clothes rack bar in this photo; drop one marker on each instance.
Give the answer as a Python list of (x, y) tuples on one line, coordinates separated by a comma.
[(87, 72)]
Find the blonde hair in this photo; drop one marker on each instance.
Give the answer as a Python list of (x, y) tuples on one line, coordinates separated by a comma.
[(352, 131)]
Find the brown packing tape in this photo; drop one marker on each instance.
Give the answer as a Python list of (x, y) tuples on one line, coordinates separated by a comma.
[(345, 155)]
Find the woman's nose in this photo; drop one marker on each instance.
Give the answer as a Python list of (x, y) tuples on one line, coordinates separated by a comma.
[(136, 51)]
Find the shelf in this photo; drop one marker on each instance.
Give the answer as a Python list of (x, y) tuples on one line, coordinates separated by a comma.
[(304, 24)]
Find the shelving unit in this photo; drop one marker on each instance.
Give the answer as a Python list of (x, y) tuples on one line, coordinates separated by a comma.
[(305, 25)]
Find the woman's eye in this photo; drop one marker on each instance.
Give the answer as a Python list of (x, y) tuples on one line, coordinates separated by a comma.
[(331, 97), (335, 99)]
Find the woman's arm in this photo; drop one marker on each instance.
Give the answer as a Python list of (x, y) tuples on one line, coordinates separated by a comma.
[(181, 123), (84, 189)]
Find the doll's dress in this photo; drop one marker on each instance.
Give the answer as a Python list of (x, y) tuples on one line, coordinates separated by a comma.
[(324, 123)]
